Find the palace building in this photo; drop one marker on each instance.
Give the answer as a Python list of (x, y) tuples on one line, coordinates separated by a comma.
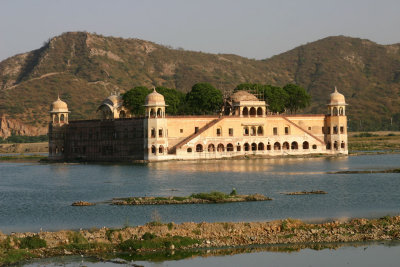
[(247, 128)]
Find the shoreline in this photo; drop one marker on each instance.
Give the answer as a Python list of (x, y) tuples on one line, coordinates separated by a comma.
[(157, 236)]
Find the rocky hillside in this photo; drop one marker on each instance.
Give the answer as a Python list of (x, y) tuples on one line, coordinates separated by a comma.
[(84, 68)]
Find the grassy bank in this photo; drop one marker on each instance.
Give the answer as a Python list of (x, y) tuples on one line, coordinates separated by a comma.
[(374, 141), (166, 237)]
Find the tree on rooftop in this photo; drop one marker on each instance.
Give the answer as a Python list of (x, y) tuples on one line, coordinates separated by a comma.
[(204, 99), (297, 99), (174, 99), (134, 99)]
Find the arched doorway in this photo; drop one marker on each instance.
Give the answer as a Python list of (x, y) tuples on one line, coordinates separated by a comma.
[(294, 146), (245, 111), (285, 146), (259, 111), (246, 147), (253, 147), (253, 111), (229, 147), (220, 148), (305, 145), (199, 148), (211, 148), (277, 146), (261, 146)]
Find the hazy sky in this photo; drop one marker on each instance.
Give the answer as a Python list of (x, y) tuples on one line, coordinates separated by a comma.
[(251, 28)]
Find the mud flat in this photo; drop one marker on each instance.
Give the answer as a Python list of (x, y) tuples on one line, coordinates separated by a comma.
[(157, 236)]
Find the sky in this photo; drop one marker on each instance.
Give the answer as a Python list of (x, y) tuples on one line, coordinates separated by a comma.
[(251, 28)]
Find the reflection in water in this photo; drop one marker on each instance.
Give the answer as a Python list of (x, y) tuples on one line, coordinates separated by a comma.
[(242, 165), (259, 255)]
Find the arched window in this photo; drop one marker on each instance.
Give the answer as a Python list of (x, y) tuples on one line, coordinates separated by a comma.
[(238, 148), (277, 146), (342, 145), (153, 133), (259, 111), (261, 146), (245, 111), (341, 111), (199, 148), (211, 148), (294, 146), (305, 145), (253, 131), (56, 150), (314, 146), (328, 145), (189, 150), (62, 118), (253, 147), (160, 149), (253, 111), (269, 147), (160, 132), (57, 120), (159, 112), (122, 114), (335, 111), (246, 147), (335, 145), (220, 148), (285, 146), (152, 113), (246, 131), (260, 130), (153, 149), (229, 147)]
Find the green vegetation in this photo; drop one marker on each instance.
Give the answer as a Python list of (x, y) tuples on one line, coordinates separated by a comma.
[(214, 196), (154, 242), (204, 99), (87, 78), (291, 97), (134, 100), (372, 142), (32, 242), (24, 139)]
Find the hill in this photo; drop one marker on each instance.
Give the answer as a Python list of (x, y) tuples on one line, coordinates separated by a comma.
[(84, 68)]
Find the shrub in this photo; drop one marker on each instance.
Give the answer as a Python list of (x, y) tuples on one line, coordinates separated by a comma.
[(32, 242), (148, 236), (233, 193), (213, 196)]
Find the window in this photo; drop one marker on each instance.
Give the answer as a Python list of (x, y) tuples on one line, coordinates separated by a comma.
[(314, 146), (341, 129), (335, 130), (153, 133), (219, 131), (246, 131), (323, 130), (230, 131), (275, 130), (189, 150), (181, 130), (286, 130), (199, 148), (309, 128), (328, 130), (253, 131), (196, 129), (160, 133)]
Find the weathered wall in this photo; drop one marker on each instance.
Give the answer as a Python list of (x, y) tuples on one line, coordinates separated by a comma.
[(109, 140)]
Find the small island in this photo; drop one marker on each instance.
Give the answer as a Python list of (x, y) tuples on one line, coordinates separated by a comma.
[(199, 198)]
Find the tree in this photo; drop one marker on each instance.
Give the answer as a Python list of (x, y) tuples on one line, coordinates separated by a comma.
[(297, 99), (276, 98), (135, 98), (204, 99), (174, 99)]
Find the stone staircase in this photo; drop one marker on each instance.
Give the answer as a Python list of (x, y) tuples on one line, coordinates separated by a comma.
[(304, 130), (172, 150)]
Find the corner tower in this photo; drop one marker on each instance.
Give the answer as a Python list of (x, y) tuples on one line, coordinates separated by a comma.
[(155, 125), (336, 124), (57, 129)]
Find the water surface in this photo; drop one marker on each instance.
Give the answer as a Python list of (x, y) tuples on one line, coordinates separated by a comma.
[(39, 196)]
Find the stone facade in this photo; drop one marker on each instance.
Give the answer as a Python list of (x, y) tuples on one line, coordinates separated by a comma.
[(247, 129)]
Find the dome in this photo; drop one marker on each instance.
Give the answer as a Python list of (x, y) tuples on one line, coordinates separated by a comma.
[(243, 96), (337, 98), (59, 106), (155, 99), (113, 100)]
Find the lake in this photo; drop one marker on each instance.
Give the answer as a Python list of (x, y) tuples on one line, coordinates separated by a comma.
[(37, 196)]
